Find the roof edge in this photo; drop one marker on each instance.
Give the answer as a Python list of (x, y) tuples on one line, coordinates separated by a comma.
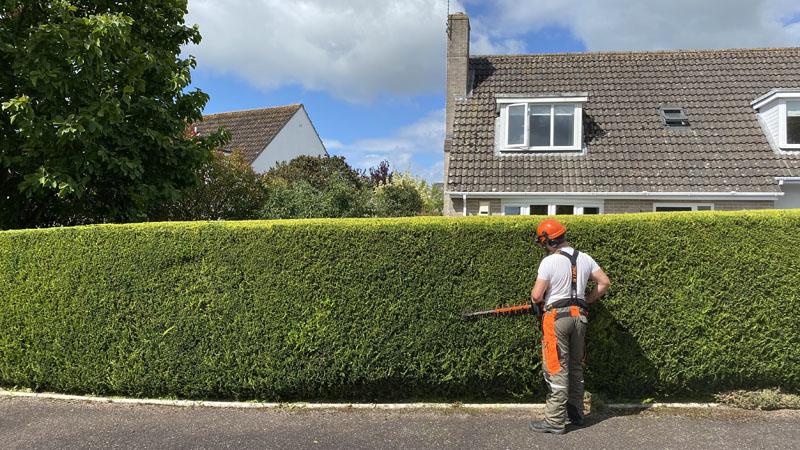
[(296, 105), (647, 52)]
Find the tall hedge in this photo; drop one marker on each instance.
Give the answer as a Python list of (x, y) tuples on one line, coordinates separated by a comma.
[(370, 309)]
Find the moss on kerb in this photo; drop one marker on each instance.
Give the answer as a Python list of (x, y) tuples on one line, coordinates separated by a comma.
[(369, 309)]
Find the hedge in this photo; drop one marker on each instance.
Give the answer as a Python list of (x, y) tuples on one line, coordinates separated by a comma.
[(369, 310)]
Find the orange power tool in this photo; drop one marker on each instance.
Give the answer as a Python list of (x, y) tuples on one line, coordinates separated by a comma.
[(520, 308)]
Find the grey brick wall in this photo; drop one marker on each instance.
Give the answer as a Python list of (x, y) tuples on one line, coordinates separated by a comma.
[(473, 206)]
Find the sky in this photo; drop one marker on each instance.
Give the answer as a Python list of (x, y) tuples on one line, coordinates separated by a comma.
[(371, 73)]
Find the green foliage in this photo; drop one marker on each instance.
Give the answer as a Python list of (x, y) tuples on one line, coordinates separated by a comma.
[(318, 171), (314, 187), (94, 109), (301, 200), (369, 309), (398, 199), (432, 195), (229, 189)]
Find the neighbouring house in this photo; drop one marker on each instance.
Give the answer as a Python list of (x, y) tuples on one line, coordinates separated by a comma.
[(267, 136), (620, 132)]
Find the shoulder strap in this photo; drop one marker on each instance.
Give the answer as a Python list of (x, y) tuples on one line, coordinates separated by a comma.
[(573, 259)]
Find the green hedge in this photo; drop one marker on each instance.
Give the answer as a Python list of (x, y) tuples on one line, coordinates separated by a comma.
[(370, 309)]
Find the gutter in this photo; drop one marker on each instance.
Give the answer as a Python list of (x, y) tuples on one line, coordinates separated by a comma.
[(636, 195), (787, 180)]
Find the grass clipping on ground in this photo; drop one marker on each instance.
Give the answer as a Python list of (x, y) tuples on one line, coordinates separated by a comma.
[(765, 399)]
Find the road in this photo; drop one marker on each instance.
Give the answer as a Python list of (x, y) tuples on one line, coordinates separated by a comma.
[(35, 423)]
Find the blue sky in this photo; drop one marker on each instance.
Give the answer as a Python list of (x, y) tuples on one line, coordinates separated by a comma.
[(371, 72)]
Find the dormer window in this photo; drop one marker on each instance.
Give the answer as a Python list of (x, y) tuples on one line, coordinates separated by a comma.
[(673, 117), (779, 115), (540, 123)]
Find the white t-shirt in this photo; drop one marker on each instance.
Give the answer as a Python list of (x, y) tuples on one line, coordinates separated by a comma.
[(557, 269)]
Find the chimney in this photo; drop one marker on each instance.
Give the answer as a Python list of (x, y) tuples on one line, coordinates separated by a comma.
[(457, 80), (457, 64)]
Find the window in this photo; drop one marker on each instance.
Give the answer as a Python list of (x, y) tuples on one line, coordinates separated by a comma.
[(538, 210), (673, 117), (793, 123), (666, 207), (565, 210), (515, 208), (540, 123), (535, 126)]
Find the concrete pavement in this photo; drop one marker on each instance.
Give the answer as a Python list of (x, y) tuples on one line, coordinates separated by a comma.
[(36, 423)]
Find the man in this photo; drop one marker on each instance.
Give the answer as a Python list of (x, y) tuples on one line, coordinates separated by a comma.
[(559, 292)]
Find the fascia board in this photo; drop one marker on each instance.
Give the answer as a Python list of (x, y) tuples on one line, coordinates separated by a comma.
[(630, 195)]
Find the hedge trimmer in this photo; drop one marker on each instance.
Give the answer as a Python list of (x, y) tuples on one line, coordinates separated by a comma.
[(519, 308)]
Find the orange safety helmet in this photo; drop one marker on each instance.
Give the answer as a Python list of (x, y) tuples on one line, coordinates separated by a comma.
[(548, 231)]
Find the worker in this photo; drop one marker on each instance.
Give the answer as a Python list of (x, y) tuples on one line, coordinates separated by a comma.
[(559, 292)]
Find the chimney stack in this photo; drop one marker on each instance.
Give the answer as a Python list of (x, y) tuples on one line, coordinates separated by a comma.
[(457, 64), (457, 79)]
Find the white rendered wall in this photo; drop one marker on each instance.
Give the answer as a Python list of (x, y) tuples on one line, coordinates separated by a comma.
[(297, 138), (771, 117), (791, 197)]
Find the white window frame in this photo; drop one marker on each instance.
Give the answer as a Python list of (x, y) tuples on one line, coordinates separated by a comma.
[(525, 207), (693, 206), (783, 129), (577, 128)]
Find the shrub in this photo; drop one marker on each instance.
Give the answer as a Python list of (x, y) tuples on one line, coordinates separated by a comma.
[(398, 199), (368, 309), (228, 189)]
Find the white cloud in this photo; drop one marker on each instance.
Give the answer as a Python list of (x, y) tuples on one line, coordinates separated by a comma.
[(648, 25), (416, 148), (353, 49)]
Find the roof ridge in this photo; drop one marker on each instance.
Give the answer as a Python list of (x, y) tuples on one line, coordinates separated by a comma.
[(296, 106), (646, 52)]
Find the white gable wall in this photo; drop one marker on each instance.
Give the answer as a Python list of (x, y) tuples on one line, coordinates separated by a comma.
[(298, 137)]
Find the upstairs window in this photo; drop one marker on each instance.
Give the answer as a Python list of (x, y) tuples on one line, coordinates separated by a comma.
[(793, 123), (540, 124), (779, 114)]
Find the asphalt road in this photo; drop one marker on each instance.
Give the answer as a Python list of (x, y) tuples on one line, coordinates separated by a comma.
[(32, 423)]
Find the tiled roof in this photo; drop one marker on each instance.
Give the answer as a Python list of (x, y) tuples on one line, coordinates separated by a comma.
[(251, 130), (628, 149)]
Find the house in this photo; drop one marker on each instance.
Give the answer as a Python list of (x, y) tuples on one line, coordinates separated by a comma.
[(267, 135), (620, 132)]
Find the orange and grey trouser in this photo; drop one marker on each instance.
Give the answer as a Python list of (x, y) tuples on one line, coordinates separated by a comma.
[(563, 352)]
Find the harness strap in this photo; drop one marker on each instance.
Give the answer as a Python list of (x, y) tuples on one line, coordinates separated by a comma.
[(573, 299)]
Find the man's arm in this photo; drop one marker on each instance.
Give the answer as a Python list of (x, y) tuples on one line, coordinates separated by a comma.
[(537, 293), (600, 288)]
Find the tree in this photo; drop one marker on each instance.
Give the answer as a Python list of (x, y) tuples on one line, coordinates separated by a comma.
[(432, 196), (94, 110), (229, 190), (316, 186), (318, 171), (399, 199), (380, 175)]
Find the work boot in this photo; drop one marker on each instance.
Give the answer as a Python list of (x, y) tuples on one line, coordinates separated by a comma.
[(543, 426), (574, 416)]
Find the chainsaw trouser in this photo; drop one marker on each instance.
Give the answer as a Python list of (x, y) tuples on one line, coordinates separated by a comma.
[(563, 352)]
